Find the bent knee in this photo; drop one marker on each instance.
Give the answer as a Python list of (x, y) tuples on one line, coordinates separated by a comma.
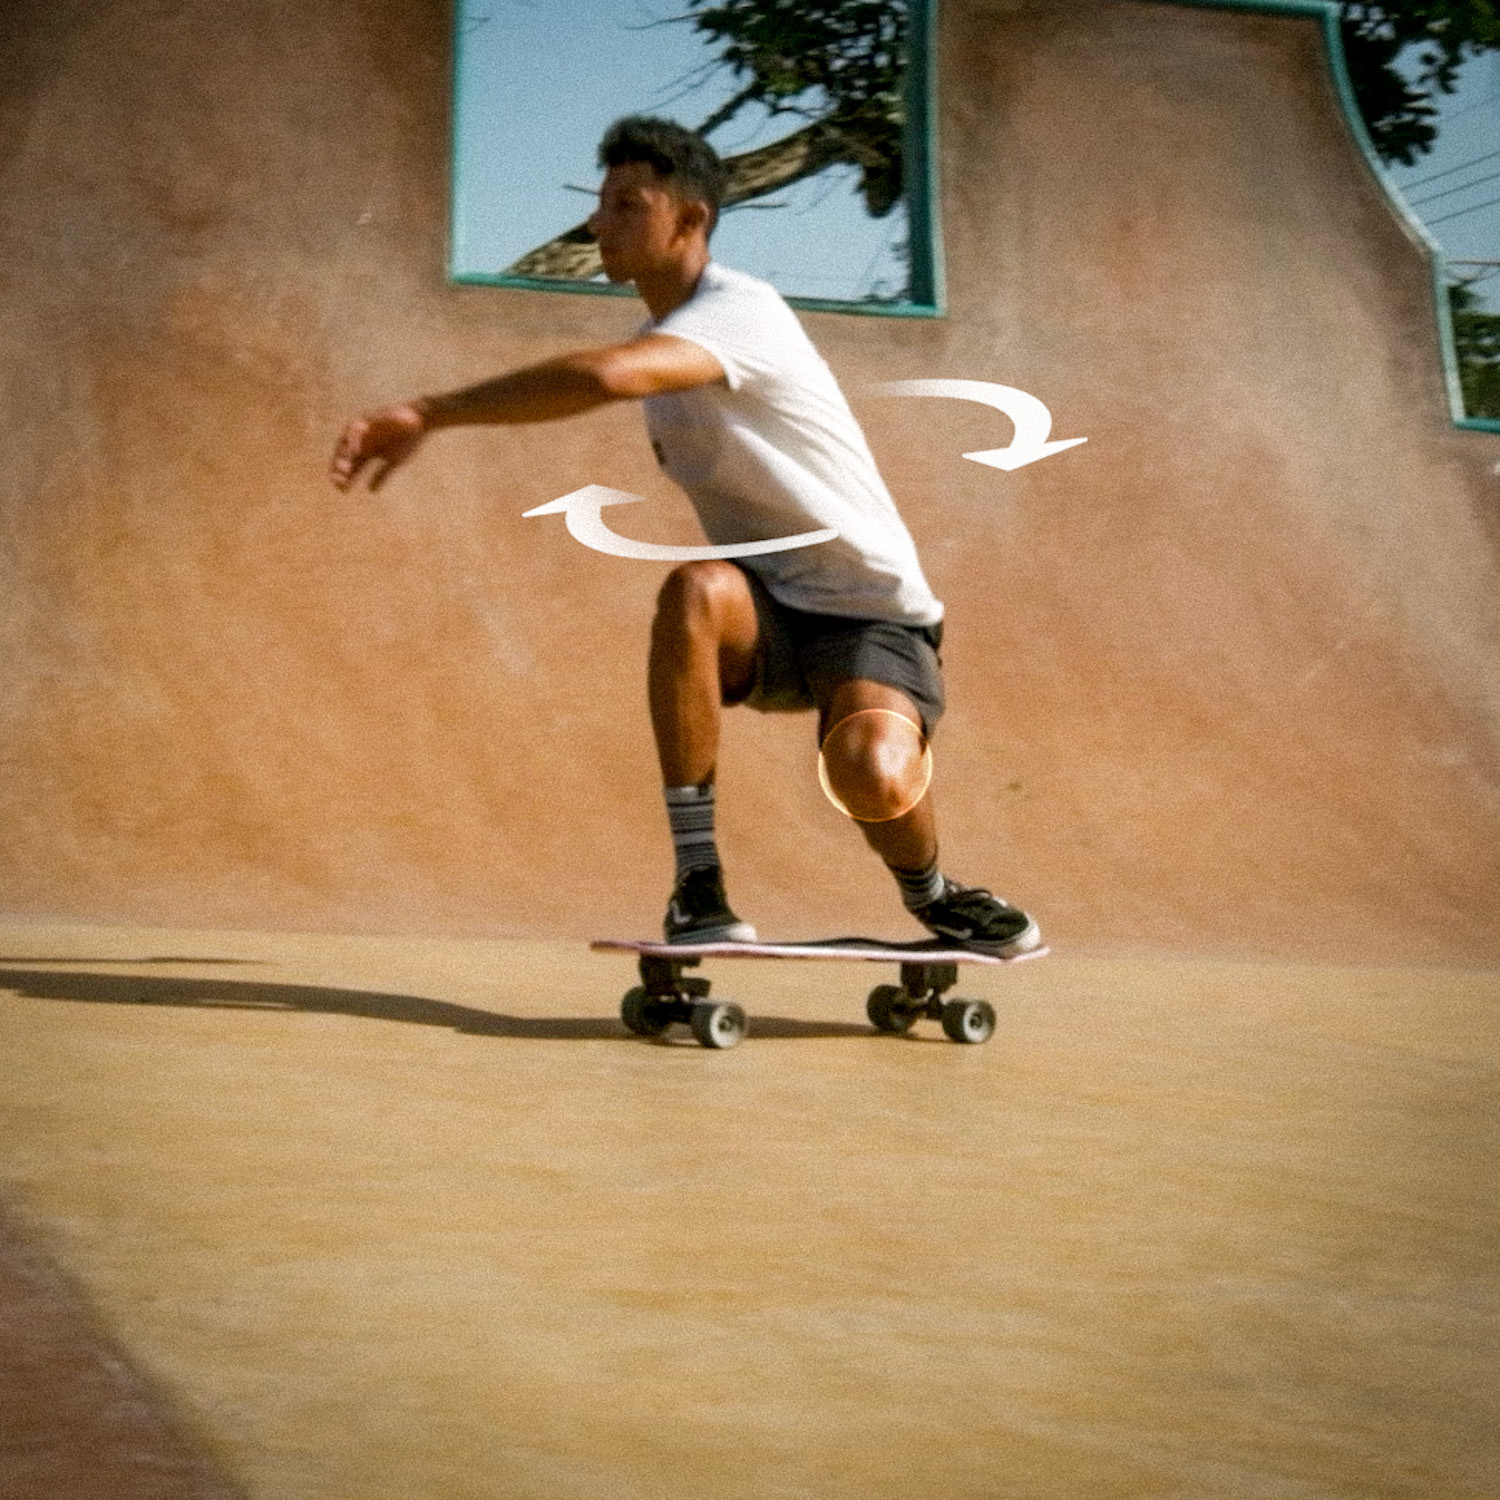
[(710, 592), (878, 765)]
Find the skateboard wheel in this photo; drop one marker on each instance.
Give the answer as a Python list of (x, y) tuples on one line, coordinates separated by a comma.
[(889, 1009), (718, 1023), (639, 1013), (969, 1020)]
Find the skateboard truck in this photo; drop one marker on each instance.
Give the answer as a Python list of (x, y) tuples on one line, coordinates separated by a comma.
[(927, 982), (896, 1008), (667, 996)]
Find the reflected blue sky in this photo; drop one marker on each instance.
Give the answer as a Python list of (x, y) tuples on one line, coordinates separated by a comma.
[(538, 83), (1455, 188)]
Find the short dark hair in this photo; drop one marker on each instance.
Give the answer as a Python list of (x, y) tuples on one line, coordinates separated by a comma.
[(672, 151)]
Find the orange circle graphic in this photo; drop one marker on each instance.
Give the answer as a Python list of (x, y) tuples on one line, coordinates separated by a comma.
[(920, 781)]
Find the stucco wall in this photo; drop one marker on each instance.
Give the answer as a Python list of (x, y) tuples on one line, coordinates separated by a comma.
[(1225, 676)]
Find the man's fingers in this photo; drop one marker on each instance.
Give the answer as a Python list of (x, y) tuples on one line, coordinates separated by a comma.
[(346, 454), (374, 444), (352, 453)]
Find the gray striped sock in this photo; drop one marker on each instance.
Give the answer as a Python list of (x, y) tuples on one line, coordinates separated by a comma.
[(919, 888), (690, 811)]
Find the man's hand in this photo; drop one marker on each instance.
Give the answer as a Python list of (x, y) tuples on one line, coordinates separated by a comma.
[(382, 439)]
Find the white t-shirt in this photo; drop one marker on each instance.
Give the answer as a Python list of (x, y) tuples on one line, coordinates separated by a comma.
[(777, 451)]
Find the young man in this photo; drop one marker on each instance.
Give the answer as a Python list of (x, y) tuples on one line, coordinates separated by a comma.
[(746, 417)]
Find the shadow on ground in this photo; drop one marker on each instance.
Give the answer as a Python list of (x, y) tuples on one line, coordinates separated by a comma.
[(368, 1005)]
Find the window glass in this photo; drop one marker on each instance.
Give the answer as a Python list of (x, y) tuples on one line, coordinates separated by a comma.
[(827, 103)]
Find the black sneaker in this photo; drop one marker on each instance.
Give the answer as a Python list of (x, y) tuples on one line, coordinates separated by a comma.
[(699, 911), (981, 921)]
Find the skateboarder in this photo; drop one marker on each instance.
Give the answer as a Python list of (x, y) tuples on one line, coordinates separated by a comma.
[(745, 416)]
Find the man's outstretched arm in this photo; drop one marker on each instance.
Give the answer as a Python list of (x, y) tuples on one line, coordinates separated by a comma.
[(562, 387)]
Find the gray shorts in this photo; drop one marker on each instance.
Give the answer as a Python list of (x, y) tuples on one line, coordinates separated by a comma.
[(803, 657)]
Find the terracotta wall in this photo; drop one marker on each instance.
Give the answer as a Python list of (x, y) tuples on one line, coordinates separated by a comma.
[(1224, 677)]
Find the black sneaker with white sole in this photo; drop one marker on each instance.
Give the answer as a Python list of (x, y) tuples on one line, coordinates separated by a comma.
[(981, 921), (699, 911)]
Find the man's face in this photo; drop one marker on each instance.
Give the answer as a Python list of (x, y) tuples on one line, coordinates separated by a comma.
[(639, 224)]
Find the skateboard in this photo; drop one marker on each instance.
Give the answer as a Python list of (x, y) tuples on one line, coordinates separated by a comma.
[(668, 996)]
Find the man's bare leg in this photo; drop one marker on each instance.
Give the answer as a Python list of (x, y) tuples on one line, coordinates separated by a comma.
[(871, 760), (868, 764), (703, 645)]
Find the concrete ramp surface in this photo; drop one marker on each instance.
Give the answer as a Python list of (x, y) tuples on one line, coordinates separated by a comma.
[(384, 1217)]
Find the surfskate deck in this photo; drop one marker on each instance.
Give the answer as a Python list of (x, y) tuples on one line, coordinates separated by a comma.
[(667, 996)]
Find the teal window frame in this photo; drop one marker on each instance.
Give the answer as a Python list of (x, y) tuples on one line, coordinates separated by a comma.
[(926, 291)]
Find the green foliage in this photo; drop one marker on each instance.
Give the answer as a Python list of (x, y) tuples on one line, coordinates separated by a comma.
[(841, 63), (1400, 115), (1476, 336)]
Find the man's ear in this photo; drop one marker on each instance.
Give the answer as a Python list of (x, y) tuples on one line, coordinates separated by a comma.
[(693, 214)]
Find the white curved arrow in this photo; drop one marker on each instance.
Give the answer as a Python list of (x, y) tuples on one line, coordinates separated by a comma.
[(1031, 419), (585, 523)]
